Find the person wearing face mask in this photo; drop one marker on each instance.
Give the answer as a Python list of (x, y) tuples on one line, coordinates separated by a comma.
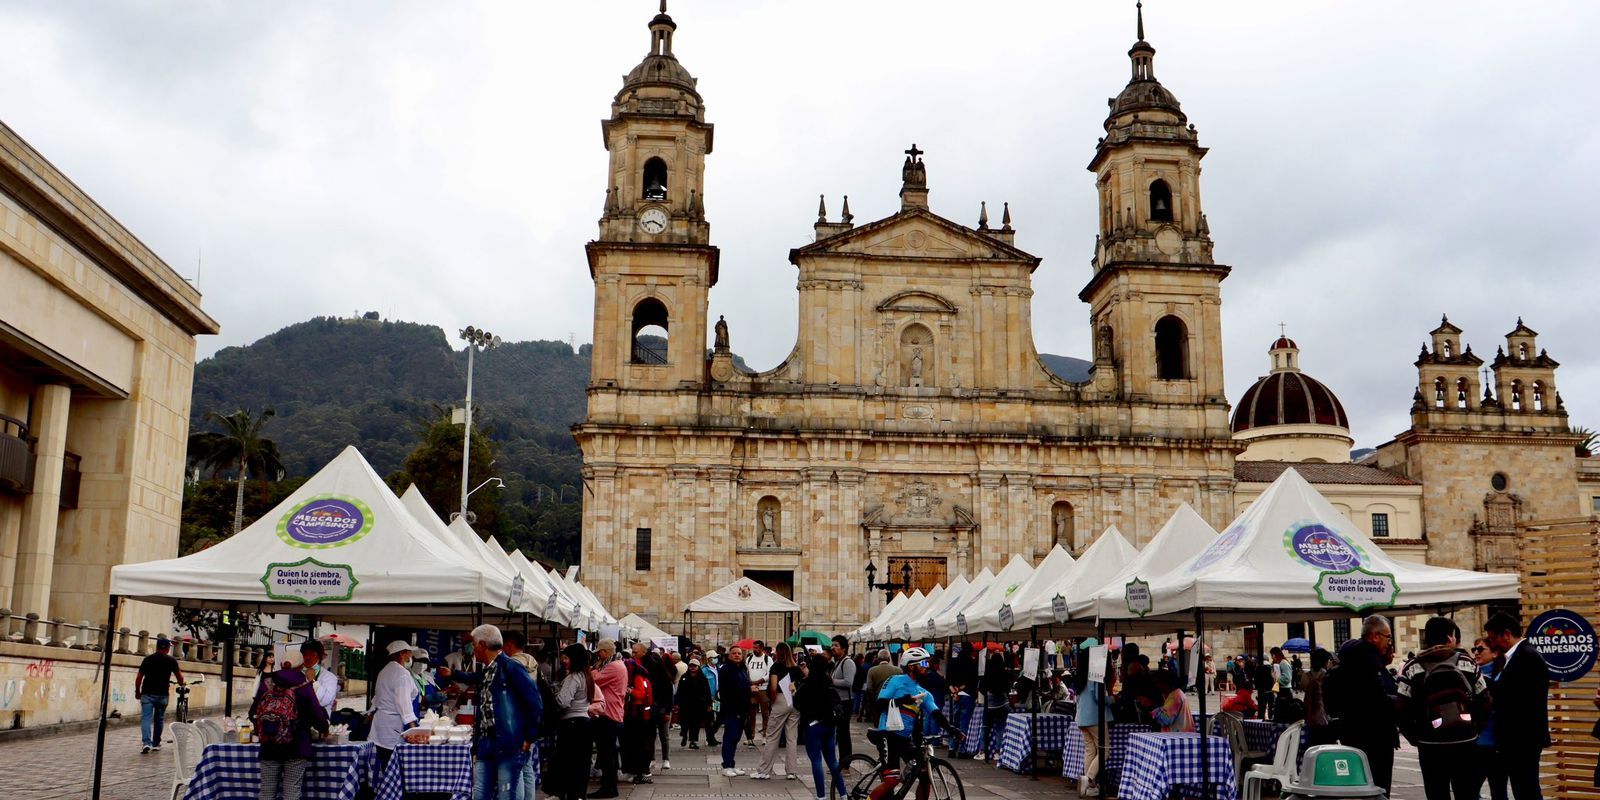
[(392, 710)]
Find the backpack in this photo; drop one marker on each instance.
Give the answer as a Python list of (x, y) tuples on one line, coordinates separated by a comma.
[(547, 697), (277, 713), (1444, 697), (1333, 692), (639, 696)]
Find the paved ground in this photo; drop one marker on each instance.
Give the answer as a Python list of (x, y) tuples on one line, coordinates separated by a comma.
[(61, 767)]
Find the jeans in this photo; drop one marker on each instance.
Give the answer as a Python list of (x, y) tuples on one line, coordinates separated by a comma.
[(288, 775), (152, 716), (761, 705), (819, 747), (605, 753), (496, 779), (528, 783), (731, 728), (961, 714), (1446, 767), (1521, 766)]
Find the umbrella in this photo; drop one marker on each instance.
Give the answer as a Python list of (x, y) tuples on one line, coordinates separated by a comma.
[(343, 641), (1297, 645), (745, 644), (809, 637)]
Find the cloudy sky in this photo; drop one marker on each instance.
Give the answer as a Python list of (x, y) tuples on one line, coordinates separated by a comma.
[(1373, 164)]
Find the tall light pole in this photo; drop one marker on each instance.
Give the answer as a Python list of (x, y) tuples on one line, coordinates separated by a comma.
[(475, 339)]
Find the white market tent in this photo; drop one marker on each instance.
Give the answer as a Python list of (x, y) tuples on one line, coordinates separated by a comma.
[(1043, 580), (944, 618), (909, 623), (743, 596), (418, 507), (1272, 564), (1108, 553), (891, 626), (865, 631), (1005, 583), (953, 592), (1183, 536), (644, 629)]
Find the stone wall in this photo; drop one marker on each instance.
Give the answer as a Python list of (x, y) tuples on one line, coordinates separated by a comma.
[(42, 685)]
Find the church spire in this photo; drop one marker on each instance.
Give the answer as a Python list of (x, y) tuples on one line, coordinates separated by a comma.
[(1138, 6), (661, 28), (1142, 54)]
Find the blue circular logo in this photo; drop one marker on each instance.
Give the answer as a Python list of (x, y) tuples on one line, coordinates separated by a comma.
[(1322, 547), (1219, 548), (325, 521), (1567, 642)]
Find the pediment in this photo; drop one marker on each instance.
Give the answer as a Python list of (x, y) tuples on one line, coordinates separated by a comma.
[(914, 234)]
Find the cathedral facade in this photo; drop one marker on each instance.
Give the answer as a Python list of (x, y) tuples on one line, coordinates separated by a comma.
[(913, 427)]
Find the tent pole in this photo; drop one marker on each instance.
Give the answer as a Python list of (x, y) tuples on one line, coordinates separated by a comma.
[(228, 646), (372, 652), (105, 694), (1205, 740), (1102, 747), (1033, 721)]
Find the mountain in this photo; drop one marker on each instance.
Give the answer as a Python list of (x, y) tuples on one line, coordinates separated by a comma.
[(377, 383)]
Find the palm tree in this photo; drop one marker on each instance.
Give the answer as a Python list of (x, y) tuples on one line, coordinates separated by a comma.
[(241, 446)]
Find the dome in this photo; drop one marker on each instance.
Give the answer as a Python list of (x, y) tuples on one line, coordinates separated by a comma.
[(660, 70), (1288, 398), (1284, 342), (1146, 95)]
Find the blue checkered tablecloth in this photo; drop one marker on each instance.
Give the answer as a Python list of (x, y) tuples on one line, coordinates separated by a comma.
[(232, 771), (1072, 753), (1263, 735), (1019, 744), (974, 742), (428, 768), (1160, 762)]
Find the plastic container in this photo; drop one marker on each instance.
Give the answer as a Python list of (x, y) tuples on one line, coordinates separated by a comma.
[(1333, 771)]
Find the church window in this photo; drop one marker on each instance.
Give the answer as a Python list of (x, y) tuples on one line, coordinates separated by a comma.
[(1499, 482), (655, 179), (1516, 395), (1063, 528), (1461, 393), (649, 332), (1160, 201), (1538, 395), (641, 549), (1380, 526), (1438, 392), (916, 356), (1449, 348), (1522, 351), (1172, 349)]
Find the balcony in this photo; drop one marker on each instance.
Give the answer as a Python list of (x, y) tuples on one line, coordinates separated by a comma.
[(16, 456), (71, 478)]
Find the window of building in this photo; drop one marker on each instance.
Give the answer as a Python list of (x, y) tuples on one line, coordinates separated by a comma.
[(1499, 481), (1341, 631), (1594, 505), (1538, 395), (641, 549), (649, 332), (1160, 201), (655, 179), (1172, 349), (1438, 392), (1297, 630), (1380, 525)]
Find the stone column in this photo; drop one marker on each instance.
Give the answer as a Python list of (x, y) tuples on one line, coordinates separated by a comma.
[(36, 547)]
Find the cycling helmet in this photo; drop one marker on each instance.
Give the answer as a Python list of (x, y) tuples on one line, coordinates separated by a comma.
[(912, 655)]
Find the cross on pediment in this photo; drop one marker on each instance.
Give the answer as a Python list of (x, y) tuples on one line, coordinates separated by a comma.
[(914, 153)]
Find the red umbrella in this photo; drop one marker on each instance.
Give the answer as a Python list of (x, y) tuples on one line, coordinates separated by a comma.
[(745, 644), (343, 641)]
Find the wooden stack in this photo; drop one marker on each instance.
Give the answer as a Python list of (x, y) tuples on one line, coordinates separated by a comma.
[(1559, 563)]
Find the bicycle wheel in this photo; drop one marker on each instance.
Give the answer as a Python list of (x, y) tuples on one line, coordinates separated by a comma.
[(941, 782), (859, 764), (861, 788)]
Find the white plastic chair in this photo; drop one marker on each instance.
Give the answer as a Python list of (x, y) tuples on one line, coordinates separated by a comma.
[(210, 731), (1230, 726), (1282, 768), (188, 744)]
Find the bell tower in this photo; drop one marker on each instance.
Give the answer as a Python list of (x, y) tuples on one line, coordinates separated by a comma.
[(1155, 296), (652, 263)]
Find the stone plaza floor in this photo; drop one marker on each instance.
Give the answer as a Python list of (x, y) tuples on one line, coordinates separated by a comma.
[(61, 767)]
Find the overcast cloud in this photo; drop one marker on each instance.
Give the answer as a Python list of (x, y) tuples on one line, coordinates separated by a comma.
[(1373, 164)]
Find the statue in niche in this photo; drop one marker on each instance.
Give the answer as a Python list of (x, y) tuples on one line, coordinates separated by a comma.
[(721, 342), (768, 536), (1102, 345), (916, 349), (916, 366)]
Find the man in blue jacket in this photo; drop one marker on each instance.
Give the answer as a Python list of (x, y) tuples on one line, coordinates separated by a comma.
[(733, 687), (507, 721)]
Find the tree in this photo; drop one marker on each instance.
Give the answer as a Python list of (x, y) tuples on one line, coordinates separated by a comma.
[(435, 467), (239, 446)]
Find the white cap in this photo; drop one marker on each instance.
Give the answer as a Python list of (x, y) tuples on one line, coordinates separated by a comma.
[(399, 646)]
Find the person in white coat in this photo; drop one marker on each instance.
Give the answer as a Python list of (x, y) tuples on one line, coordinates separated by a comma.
[(392, 701)]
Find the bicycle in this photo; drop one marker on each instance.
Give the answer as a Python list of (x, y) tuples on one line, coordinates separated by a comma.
[(933, 777), (180, 711)]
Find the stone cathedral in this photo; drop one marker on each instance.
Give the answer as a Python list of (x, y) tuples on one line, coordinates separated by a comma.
[(913, 423)]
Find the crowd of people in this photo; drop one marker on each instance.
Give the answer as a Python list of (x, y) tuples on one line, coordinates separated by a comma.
[(1476, 716)]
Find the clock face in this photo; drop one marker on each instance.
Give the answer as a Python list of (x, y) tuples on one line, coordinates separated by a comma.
[(653, 220)]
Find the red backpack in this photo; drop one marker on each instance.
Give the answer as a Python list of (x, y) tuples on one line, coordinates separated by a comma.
[(277, 712), (640, 696)]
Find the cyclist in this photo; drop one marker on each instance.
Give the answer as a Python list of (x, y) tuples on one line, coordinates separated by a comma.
[(914, 702)]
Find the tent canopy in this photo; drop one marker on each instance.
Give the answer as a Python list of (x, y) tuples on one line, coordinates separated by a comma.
[(342, 545), (646, 630), (1008, 615), (1109, 553), (1005, 584), (865, 631), (743, 596), (1292, 556), (1182, 538)]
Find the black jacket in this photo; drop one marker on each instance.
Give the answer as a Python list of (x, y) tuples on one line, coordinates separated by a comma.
[(694, 692), (1521, 693), (1366, 706)]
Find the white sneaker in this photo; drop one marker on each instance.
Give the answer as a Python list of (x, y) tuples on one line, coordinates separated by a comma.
[(732, 773), (761, 776), (665, 765), (790, 776)]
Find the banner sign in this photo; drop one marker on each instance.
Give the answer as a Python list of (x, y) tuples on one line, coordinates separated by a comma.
[(325, 521), (1006, 618), (309, 581), (550, 607), (1357, 589), (514, 601), (1567, 642), (930, 627), (1140, 601), (961, 624), (1058, 607)]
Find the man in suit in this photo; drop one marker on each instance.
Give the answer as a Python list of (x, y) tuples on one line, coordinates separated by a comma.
[(1521, 692), (1366, 699)]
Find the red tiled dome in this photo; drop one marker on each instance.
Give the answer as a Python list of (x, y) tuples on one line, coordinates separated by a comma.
[(1288, 398)]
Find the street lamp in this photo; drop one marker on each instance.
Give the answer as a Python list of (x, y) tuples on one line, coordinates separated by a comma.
[(475, 339), (889, 587)]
